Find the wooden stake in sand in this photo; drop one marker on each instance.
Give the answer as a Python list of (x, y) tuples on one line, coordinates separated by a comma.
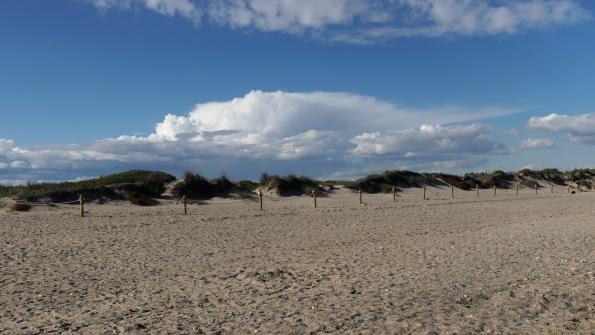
[(361, 202), (452, 192), (535, 188), (552, 188), (494, 190), (394, 194), (314, 195), (477, 189), (424, 193), (82, 202), (517, 188), (185, 202), (260, 199)]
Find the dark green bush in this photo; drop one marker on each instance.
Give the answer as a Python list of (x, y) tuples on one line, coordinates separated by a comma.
[(248, 185), (151, 182), (290, 185), (400, 179), (20, 207), (197, 187)]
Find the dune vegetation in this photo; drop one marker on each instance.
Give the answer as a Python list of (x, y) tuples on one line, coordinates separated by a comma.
[(112, 187), (290, 185), (144, 187), (500, 179)]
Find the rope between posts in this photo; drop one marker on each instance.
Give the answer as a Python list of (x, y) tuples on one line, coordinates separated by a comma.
[(272, 197), (67, 203), (45, 204), (227, 203), (137, 206), (345, 197), (31, 204), (217, 203)]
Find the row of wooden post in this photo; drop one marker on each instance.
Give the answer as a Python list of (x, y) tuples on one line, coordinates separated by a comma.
[(517, 189), (82, 202), (315, 196)]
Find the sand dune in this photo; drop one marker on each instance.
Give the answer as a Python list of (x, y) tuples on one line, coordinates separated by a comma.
[(504, 264)]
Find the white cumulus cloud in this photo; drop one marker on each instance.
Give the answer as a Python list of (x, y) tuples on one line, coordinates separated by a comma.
[(269, 117), (428, 140), (6, 146), (581, 128)]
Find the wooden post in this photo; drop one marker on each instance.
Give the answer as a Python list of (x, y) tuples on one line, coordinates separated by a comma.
[(517, 188), (82, 202), (361, 202), (452, 192), (185, 202), (477, 189), (494, 190), (314, 195), (394, 194), (552, 188), (260, 199), (535, 188), (424, 193)]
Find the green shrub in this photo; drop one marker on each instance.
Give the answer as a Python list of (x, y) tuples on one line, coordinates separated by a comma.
[(151, 182), (290, 185), (20, 207), (380, 183), (197, 187), (248, 185), (222, 185)]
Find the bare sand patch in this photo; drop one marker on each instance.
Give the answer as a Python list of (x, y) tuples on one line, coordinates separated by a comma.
[(468, 265)]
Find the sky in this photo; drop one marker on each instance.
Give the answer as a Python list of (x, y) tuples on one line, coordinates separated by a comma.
[(332, 89)]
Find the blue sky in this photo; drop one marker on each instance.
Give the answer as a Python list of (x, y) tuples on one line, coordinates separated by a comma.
[(333, 88)]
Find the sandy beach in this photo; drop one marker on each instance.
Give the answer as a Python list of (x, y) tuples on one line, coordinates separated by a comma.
[(500, 264)]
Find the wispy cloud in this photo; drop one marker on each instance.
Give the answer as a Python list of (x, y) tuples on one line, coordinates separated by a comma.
[(510, 132), (294, 16), (185, 8), (581, 128), (363, 21), (537, 143), (439, 166)]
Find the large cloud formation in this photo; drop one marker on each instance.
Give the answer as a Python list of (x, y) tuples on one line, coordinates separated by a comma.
[(367, 21), (265, 129), (581, 128)]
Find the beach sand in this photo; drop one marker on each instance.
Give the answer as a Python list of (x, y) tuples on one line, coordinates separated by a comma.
[(500, 265)]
